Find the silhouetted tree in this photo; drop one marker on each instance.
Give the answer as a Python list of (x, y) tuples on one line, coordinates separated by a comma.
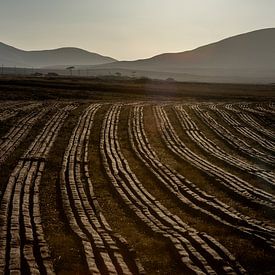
[(70, 69)]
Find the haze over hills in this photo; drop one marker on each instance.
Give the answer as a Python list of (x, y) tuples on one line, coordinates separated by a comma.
[(10, 56), (248, 57), (253, 51)]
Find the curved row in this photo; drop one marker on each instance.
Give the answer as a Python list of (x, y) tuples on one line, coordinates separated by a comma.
[(19, 131), (246, 131), (198, 252), (250, 121), (267, 108), (210, 147), (187, 192), (10, 110), (6, 114), (23, 249), (229, 137), (259, 109), (104, 251), (231, 182)]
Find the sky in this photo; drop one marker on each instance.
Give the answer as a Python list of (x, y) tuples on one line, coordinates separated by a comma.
[(128, 29)]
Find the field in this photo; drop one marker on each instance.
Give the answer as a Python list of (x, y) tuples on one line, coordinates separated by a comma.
[(109, 176)]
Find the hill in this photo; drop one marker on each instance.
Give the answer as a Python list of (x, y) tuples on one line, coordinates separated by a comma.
[(244, 58), (246, 55), (10, 56)]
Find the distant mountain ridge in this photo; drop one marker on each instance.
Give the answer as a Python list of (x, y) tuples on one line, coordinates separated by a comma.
[(248, 57), (68, 56), (254, 50)]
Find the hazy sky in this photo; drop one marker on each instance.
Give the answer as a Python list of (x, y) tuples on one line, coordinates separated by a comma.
[(128, 29)]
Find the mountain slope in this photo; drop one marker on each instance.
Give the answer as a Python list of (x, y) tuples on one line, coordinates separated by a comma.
[(253, 51), (248, 57), (10, 56)]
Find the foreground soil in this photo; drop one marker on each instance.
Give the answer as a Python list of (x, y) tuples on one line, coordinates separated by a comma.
[(116, 176)]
